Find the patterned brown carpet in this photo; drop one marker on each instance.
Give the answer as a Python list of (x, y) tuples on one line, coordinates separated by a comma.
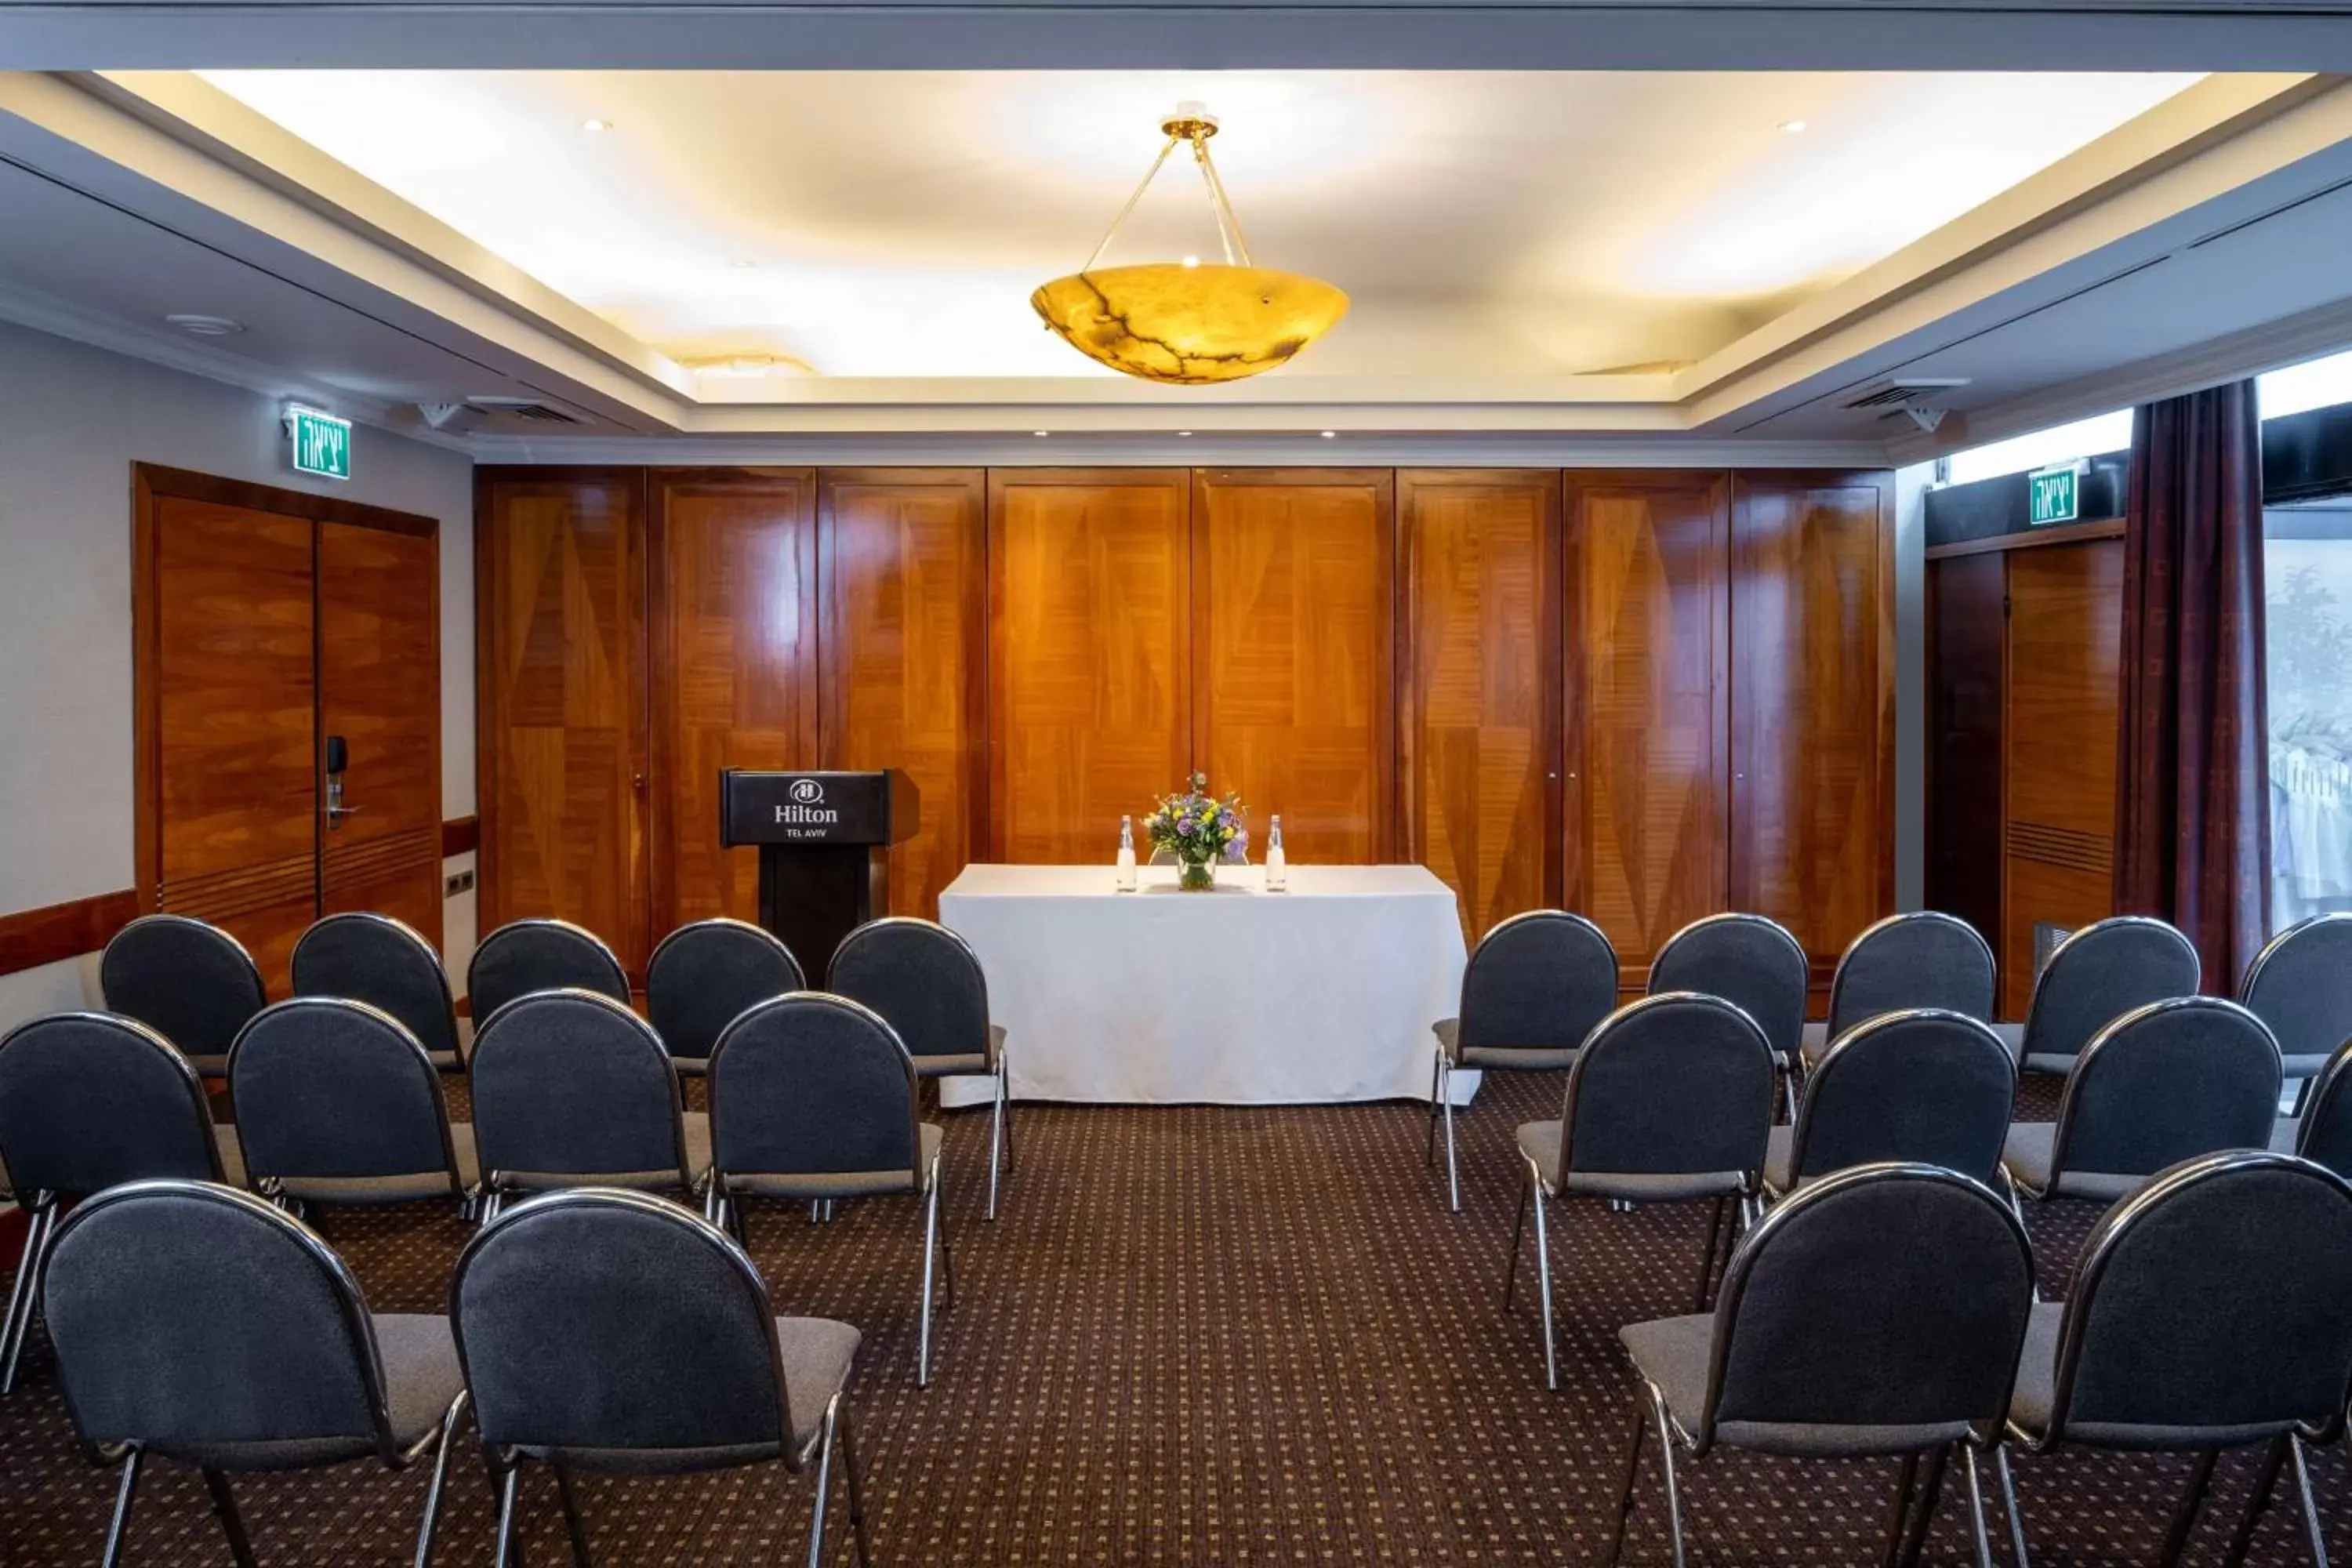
[(1197, 1336)]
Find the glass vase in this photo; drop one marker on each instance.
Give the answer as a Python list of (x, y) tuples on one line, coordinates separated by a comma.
[(1197, 876)]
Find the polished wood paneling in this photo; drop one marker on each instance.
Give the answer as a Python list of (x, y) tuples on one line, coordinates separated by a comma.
[(379, 626), (1294, 647), (903, 561), (560, 649), (1646, 799), (733, 564), (2065, 637), (55, 932), (1090, 700), (1813, 703), (1966, 638), (1479, 729)]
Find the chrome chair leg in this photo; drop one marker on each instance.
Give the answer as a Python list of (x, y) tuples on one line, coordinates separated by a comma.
[(431, 1527), (124, 1493), (1004, 1065), (854, 1471), (240, 1547), (1983, 1537), (507, 1552), (1543, 1282), (1625, 1495), (930, 1242), (2192, 1503), (2008, 1506), (1453, 1163), (2310, 1504), (1931, 1493), (1666, 1464), (1706, 1258), (2258, 1498), (24, 1298), (1437, 1065), (1511, 1259), (574, 1525), (824, 1483), (996, 1139), (1907, 1485)]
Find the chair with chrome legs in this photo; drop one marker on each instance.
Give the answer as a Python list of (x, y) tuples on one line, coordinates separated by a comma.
[(1877, 1312), (2096, 976), (2211, 1309), (1755, 964), (1922, 959), (338, 1103), (1925, 1085), (2165, 1083), (573, 1089), (524, 956), (2323, 1132), (197, 1323), (701, 975), (925, 982), (88, 1101), (191, 982), (1534, 989), (1670, 1102), (614, 1332), (2301, 985), (812, 1099), (386, 964)]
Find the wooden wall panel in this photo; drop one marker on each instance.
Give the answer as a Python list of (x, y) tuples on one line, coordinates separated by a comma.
[(732, 555), (1812, 694), (1966, 638), (1646, 799), (903, 560), (1090, 700), (2065, 639), (1294, 641), (559, 586), (1479, 555)]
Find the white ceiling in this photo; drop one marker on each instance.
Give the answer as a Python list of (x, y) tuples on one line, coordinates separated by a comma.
[(892, 224)]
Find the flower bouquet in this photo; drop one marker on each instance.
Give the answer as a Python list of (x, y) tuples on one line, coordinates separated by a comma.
[(1198, 830)]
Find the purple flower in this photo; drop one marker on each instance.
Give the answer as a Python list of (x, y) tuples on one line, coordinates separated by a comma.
[(1185, 827)]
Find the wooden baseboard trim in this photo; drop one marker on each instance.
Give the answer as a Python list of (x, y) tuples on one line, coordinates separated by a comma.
[(460, 835), (34, 937)]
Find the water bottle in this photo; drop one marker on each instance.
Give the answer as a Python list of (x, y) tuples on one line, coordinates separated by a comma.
[(1126, 882), (1276, 869)]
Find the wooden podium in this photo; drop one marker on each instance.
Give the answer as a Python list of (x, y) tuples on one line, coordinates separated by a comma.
[(823, 840)]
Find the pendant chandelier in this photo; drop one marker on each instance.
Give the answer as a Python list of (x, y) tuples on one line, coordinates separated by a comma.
[(1188, 322)]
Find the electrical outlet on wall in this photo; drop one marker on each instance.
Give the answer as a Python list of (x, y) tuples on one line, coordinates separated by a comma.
[(457, 882)]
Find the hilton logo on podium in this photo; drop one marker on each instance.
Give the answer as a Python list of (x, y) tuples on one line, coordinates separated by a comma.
[(806, 807)]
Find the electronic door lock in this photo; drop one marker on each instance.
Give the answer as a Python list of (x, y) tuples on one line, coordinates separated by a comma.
[(338, 760)]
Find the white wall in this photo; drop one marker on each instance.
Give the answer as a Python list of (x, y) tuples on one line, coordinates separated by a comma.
[(72, 421)]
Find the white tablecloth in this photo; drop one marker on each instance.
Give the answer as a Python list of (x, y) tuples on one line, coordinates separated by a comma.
[(1323, 993)]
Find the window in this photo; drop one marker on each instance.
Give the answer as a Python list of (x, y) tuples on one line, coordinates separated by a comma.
[(2083, 439)]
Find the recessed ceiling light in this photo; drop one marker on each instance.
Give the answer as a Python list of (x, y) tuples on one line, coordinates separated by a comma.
[(1183, 432), (1191, 261), (205, 326), (1792, 127), (743, 266), (1041, 432), (595, 125), (1330, 435)]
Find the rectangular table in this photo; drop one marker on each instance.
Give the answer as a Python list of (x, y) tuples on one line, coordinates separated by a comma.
[(1322, 992)]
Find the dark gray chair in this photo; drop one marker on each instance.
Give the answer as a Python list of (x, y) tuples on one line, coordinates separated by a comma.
[(199, 1323), (1755, 964), (338, 1103), (701, 975), (2163, 1083), (2096, 976), (812, 1099), (1923, 1085), (193, 983), (2301, 985), (1537, 985), (925, 982), (524, 956), (612, 1332), (573, 1089), (375, 959), (89, 1101), (2323, 1133), (1670, 1102), (2211, 1309), (1922, 959), (1880, 1312)]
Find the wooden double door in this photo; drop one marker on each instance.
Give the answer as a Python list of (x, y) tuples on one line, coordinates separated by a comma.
[(269, 622)]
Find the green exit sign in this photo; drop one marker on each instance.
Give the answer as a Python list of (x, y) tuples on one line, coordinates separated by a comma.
[(321, 443), (2056, 495)]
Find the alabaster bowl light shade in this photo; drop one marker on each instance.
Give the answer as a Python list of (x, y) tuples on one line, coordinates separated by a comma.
[(1188, 325)]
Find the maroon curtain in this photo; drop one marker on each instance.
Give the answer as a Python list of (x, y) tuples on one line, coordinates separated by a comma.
[(2192, 787)]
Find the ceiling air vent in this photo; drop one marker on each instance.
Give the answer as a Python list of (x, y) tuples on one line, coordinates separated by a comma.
[(524, 408), (1903, 389)]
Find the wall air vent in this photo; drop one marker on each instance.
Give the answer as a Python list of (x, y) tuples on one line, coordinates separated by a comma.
[(524, 408), (1900, 390)]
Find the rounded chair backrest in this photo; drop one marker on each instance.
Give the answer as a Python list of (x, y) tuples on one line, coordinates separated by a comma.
[(813, 1084), (1888, 1296), (2301, 985), (1924, 1086), (1751, 962), (375, 959), (1539, 981), (923, 979), (2166, 1082), (191, 982), (2326, 1132), (326, 1088), (196, 1319), (702, 974), (2101, 973), (2218, 1297), (1673, 1084), (600, 1321), (1922, 959), (89, 1100), (524, 956), (572, 1083)]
